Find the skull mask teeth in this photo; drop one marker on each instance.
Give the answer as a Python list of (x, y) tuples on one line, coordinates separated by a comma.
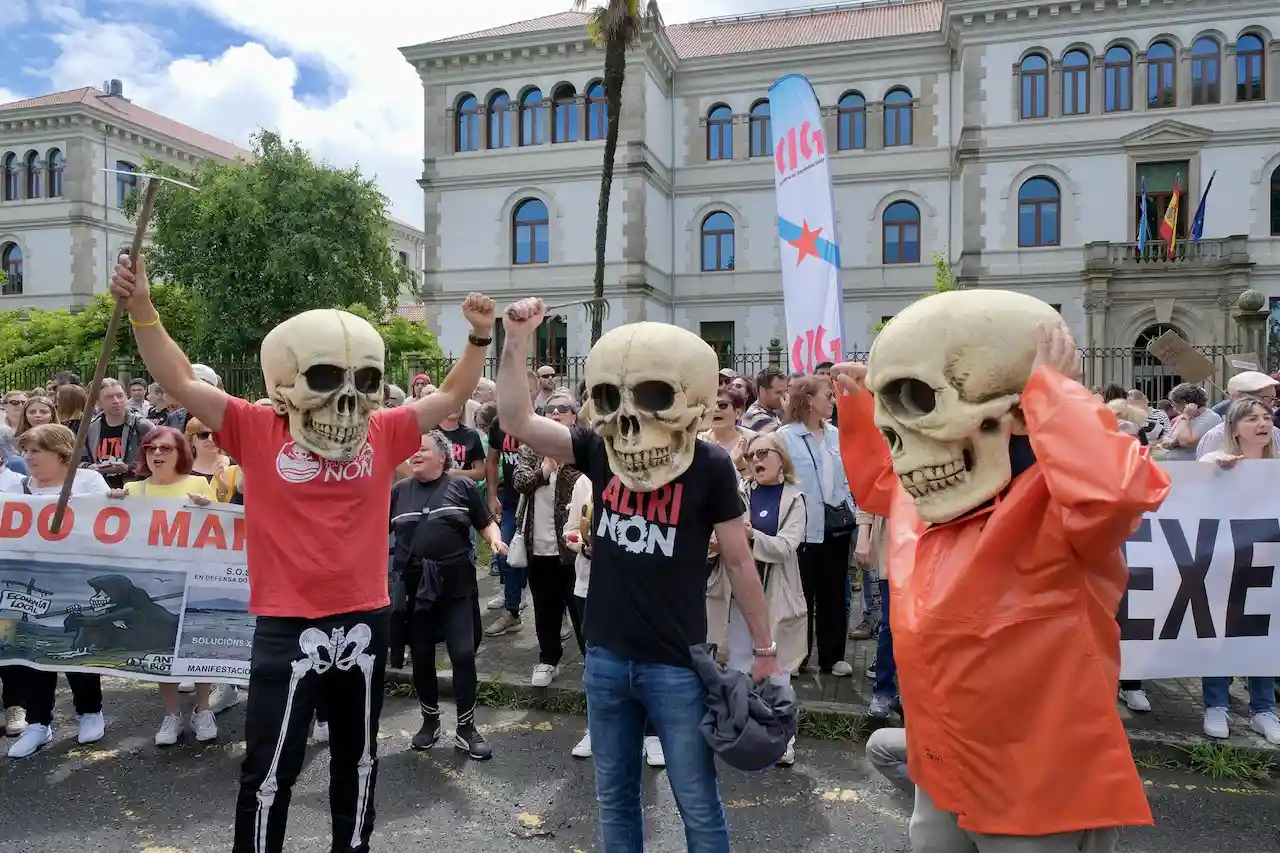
[(947, 374), (651, 387), (324, 370)]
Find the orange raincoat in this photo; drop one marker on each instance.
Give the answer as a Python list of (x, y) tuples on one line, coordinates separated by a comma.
[(1004, 623)]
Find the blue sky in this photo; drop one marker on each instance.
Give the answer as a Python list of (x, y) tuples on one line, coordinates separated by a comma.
[(324, 72)]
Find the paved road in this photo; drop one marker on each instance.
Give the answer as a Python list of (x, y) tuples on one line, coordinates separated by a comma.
[(124, 796)]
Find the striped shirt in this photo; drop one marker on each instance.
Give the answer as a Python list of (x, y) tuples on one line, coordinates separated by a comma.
[(759, 419)]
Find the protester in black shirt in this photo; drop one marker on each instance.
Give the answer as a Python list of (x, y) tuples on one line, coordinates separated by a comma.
[(115, 436), (467, 448), (432, 516), (500, 468)]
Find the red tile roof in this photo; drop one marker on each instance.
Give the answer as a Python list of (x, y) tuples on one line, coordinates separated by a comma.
[(768, 30), (122, 110), (414, 312)]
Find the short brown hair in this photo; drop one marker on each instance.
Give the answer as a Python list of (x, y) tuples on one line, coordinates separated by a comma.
[(54, 438), (72, 402), (799, 403)]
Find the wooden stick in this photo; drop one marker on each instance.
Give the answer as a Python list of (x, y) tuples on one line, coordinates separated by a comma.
[(99, 372)]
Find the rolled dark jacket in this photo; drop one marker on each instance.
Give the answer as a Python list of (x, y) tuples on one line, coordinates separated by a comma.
[(528, 478), (430, 586)]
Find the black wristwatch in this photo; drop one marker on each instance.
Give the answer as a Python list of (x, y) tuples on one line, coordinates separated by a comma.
[(478, 341)]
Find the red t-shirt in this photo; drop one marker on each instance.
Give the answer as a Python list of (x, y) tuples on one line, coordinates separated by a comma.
[(316, 542)]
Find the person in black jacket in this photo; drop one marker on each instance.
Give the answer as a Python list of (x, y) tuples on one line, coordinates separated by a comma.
[(432, 515)]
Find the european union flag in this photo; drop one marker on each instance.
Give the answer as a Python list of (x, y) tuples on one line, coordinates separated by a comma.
[(1197, 224)]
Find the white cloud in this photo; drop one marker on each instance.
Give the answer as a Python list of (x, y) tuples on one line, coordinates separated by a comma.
[(375, 121)]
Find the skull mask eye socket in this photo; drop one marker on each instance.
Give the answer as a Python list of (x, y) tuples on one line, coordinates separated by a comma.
[(606, 398), (909, 398), (368, 380), (327, 378), (654, 396)]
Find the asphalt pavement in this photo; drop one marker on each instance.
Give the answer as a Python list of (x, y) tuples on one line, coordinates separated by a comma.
[(125, 795)]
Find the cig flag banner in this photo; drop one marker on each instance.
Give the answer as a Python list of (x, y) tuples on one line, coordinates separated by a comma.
[(811, 287), (137, 588), (1203, 596)]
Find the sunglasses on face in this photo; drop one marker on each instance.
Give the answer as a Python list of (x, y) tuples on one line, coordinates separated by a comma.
[(161, 449), (204, 435), (723, 404), (15, 401), (759, 455), (559, 410)]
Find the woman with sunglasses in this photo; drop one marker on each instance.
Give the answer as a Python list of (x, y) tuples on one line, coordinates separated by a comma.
[(208, 460), (13, 403), (164, 471), (730, 404)]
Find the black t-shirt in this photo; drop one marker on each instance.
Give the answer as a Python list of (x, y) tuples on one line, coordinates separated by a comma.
[(648, 592), (158, 416), (468, 449), (110, 446), (433, 521), (508, 447)]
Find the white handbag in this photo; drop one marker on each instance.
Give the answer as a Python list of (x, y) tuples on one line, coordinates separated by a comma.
[(517, 550)]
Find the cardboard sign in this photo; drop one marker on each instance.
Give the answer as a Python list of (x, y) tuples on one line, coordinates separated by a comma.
[(1173, 351), (1244, 361)]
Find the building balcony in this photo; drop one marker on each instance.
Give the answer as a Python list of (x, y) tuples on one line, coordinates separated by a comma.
[(1219, 252)]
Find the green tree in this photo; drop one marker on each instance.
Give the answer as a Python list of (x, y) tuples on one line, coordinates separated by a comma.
[(265, 239), (615, 26), (402, 336), (943, 279)]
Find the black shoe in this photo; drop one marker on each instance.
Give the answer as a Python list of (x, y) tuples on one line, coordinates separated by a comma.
[(469, 739), (428, 735)]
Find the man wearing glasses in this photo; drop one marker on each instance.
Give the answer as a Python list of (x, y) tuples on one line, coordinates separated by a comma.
[(13, 403), (546, 385)]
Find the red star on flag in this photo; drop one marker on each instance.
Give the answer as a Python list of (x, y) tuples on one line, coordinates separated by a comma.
[(807, 243)]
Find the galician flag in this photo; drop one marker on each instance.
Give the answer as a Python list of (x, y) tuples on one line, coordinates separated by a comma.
[(1169, 225)]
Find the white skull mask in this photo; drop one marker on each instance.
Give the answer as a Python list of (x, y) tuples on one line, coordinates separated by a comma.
[(323, 369), (651, 388), (947, 374)]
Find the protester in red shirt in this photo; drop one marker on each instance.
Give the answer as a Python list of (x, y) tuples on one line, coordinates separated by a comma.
[(316, 549)]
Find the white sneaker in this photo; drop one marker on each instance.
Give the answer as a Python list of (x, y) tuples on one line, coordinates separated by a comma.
[(498, 602), (15, 721), (1215, 723), (1266, 724), (543, 674), (186, 687), (320, 733), (583, 749), (223, 697), (36, 737), (92, 728), (653, 752), (1136, 700), (204, 725), (170, 731), (789, 757), (842, 668)]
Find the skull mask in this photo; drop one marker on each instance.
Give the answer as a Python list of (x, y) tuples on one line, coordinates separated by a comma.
[(651, 388), (947, 373), (323, 369)]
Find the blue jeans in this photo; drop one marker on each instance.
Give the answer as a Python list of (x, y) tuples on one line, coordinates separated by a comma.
[(620, 695), (1262, 693), (886, 669), (513, 579)]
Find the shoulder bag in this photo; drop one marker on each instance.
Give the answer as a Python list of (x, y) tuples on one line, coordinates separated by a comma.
[(517, 549), (838, 519)]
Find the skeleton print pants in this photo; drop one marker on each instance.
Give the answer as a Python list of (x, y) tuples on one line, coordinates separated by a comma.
[(297, 664)]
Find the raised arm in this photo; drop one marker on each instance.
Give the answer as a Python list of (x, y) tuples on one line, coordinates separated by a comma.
[(457, 387), (165, 360), (863, 451), (515, 409)]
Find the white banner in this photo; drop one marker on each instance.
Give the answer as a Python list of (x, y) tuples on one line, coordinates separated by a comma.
[(811, 289), (1203, 595), (136, 588)]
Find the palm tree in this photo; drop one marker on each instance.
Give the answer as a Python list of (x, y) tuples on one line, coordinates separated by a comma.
[(615, 26)]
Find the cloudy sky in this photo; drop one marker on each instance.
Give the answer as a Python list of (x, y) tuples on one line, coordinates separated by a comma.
[(324, 72)]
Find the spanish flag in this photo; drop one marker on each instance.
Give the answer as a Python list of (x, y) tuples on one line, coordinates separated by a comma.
[(1169, 225)]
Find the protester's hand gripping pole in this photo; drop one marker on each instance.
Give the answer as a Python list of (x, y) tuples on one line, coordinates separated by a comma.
[(113, 328)]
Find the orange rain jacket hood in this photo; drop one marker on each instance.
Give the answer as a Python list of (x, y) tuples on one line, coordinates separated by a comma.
[(1004, 624)]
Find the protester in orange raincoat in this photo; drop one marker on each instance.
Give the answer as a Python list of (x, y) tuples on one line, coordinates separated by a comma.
[(1004, 625)]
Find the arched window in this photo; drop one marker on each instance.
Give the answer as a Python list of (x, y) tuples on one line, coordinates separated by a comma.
[(597, 111), (761, 131), (851, 125), (126, 181), (467, 136), (11, 263), (720, 133), (57, 165), (530, 233), (35, 175), (1033, 77), (1117, 80), (1039, 213), (533, 118), (897, 118), (499, 121), (402, 258), (12, 189), (1075, 83), (1206, 64), (902, 233), (564, 125), (717, 242), (1275, 202), (1160, 76), (1249, 68)]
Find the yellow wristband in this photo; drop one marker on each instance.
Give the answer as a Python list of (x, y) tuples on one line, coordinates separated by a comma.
[(137, 325)]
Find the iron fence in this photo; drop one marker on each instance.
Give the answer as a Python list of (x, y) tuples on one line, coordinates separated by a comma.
[(1134, 367)]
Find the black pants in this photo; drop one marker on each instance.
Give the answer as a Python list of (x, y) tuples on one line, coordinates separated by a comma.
[(295, 662), (11, 682), (34, 690), (823, 567), (551, 585), (456, 623), (580, 607)]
